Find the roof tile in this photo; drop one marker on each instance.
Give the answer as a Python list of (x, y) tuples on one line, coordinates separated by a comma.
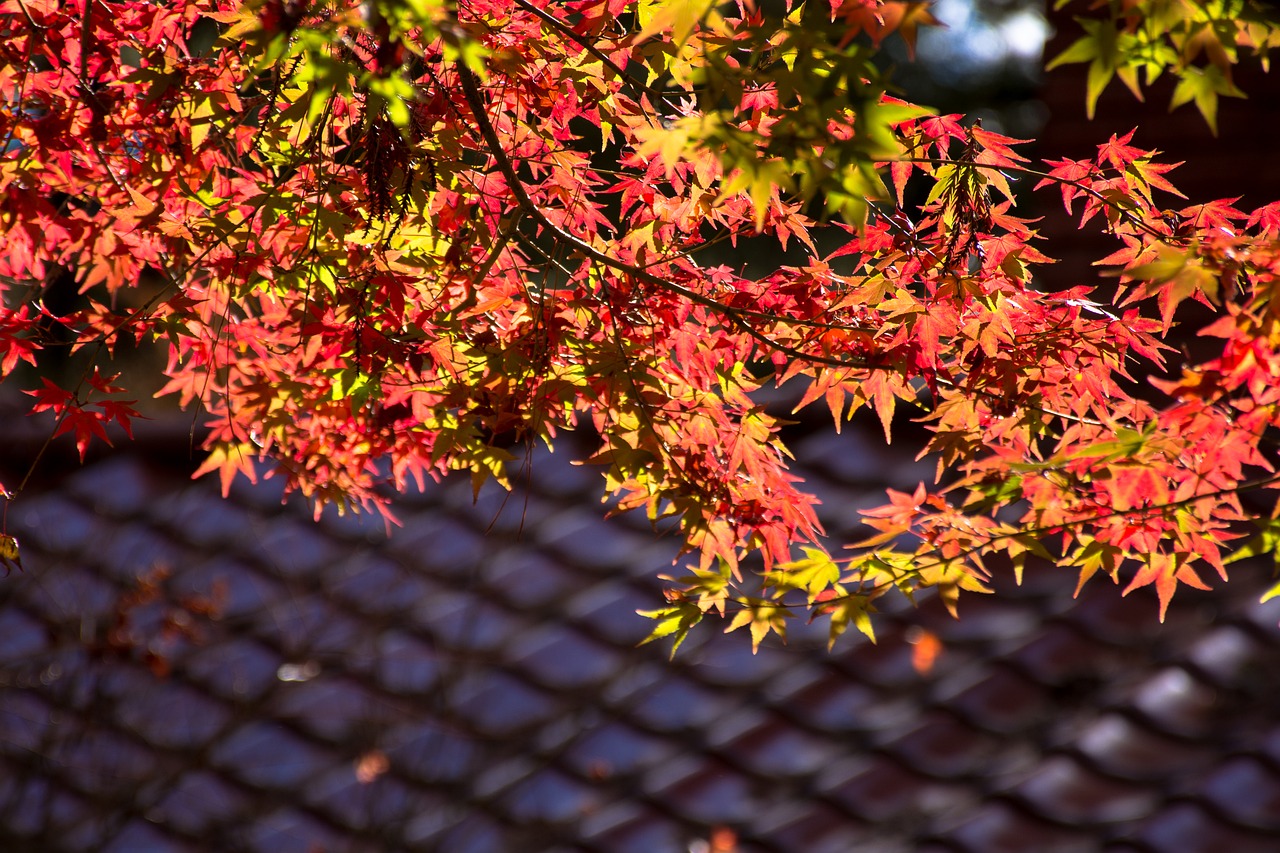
[(1265, 618), (172, 715), (24, 636), (264, 497), (638, 829), (26, 722), (138, 836), (678, 704), (495, 511), (730, 662), (561, 476), (1103, 612), (293, 547), (441, 546), (850, 459), (815, 828), (105, 760), (77, 589), (462, 621), (498, 704), (55, 524), (116, 487), (1226, 655), (267, 754), (382, 805), (839, 706), (998, 699), (432, 751), (1179, 704), (1270, 744), (1189, 828), (585, 539), (335, 709), (241, 592), (526, 577), (614, 750), (855, 458), (563, 659), (1065, 791), (1247, 791), (1122, 747), (405, 663), (552, 797), (288, 830), (774, 750), (237, 668), (889, 663), (206, 521), (609, 610), (711, 793), (200, 800), (377, 585), (1060, 655), (306, 624), (983, 619), (997, 827), (879, 789), (942, 746), (803, 674)]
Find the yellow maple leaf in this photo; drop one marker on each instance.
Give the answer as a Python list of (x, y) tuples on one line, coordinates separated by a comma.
[(678, 16)]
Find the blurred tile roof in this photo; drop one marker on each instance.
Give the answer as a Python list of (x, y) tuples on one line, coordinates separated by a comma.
[(180, 672)]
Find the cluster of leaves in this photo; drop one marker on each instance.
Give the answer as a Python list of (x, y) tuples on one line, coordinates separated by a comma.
[(399, 237), (1198, 41)]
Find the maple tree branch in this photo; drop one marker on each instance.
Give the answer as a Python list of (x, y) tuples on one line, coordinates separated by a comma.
[(735, 315), (1050, 529), (476, 103), (1037, 173)]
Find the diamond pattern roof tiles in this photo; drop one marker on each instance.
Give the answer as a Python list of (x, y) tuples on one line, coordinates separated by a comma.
[(1190, 828), (1122, 747), (179, 672)]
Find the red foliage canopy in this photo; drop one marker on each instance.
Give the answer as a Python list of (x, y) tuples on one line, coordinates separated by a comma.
[(394, 238)]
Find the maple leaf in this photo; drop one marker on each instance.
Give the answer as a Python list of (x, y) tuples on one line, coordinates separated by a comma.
[(1069, 176), (14, 349), (1266, 219), (1118, 153), (1093, 556), (680, 17), (1220, 214), (1165, 572), (85, 424), (761, 618), (228, 460), (1174, 275), (813, 574), (1203, 86), (1150, 175), (674, 621), (51, 397), (855, 610)]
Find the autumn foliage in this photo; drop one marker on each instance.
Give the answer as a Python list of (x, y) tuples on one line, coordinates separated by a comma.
[(395, 239)]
